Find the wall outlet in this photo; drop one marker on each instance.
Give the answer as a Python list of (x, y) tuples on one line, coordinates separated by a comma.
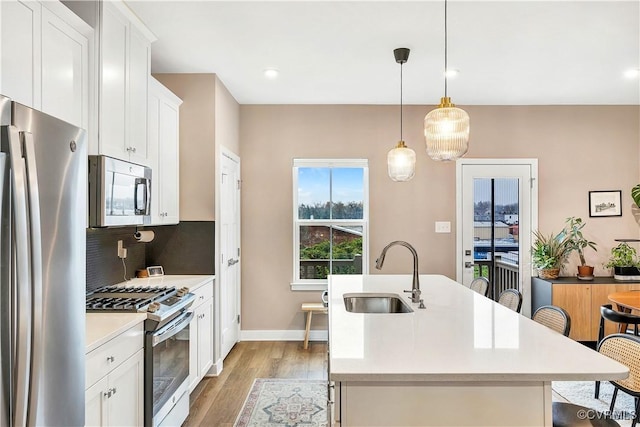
[(122, 252), (443, 227)]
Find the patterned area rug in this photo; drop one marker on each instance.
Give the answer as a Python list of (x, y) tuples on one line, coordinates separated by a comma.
[(581, 393), (285, 402)]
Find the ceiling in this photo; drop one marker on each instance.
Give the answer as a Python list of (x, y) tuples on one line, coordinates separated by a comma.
[(341, 52)]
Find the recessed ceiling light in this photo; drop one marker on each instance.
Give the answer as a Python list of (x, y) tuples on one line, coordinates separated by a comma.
[(271, 73)]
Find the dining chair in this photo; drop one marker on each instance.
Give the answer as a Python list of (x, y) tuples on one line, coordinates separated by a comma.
[(625, 349), (511, 298), (480, 285), (608, 313), (553, 317)]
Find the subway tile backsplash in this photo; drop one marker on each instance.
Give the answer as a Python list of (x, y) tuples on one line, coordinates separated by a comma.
[(185, 248), (103, 265)]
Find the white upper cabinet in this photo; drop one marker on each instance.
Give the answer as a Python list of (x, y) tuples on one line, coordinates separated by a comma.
[(46, 59), (163, 145), (113, 87), (20, 51), (125, 58), (65, 82), (139, 74)]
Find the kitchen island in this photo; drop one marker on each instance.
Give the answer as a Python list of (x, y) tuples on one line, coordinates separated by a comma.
[(462, 361)]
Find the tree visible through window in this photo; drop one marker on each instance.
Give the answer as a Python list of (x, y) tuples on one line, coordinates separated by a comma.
[(330, 218)]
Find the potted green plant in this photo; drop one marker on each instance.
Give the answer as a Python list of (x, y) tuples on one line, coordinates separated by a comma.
[(635, 195), (549, 253), (624, 261), (577, 242)]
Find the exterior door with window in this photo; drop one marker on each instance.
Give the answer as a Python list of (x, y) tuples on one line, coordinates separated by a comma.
[(497, 209)]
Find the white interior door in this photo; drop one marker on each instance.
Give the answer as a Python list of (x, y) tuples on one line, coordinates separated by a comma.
[(497, 210), (229, 272)]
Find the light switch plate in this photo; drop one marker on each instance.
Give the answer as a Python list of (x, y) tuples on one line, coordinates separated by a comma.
[(443, 227)]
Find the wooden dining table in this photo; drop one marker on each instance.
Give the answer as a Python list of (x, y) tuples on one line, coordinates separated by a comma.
[(626, 301)]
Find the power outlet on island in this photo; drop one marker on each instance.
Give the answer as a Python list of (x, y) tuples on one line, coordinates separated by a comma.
[(443, 227)]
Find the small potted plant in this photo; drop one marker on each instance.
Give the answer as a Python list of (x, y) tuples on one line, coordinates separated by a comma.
[(624, 261), (549, 253), (635, 195), (577, 242)]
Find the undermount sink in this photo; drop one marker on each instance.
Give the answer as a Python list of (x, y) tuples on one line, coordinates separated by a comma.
[(375, 303)]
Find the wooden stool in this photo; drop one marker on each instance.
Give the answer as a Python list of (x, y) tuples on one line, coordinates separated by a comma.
[(311, 307)]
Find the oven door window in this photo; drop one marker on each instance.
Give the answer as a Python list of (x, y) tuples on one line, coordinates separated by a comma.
[(170, 367)]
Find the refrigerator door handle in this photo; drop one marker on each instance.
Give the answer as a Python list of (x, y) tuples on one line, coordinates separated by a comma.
[(22, 339), (36, 272)]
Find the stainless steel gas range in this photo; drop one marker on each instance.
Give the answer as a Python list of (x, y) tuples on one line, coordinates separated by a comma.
[(166, 347)]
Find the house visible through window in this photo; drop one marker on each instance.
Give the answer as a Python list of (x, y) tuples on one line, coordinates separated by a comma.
[(330, 204)]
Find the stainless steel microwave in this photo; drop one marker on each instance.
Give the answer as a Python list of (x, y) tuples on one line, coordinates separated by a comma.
[(119, 192)]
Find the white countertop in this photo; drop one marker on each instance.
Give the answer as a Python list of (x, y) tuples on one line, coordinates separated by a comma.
[(460, 336), (101, 327)]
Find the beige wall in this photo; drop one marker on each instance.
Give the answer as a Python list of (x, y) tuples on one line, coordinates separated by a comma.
[(579, 149), (197, 143), (227, 128)]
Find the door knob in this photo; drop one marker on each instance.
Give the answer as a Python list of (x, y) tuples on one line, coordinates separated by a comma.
[(468, 264)]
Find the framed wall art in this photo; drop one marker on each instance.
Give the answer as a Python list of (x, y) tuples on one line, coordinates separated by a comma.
[(605, 203)]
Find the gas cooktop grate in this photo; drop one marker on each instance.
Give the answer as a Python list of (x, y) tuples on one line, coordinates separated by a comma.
[(118, 298)]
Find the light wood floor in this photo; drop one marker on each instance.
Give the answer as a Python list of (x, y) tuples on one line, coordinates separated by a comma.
[(216, 401)]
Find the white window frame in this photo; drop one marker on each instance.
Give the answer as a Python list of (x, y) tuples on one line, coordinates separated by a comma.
[(321, 284)]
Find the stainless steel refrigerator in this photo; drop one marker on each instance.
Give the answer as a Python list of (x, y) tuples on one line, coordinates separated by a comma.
[(43, 165)]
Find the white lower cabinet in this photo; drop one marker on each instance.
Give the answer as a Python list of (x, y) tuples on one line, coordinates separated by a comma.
[(115, 380), (201, 335)]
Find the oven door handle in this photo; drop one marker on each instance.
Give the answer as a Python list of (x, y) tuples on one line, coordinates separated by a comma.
[(172, 328)]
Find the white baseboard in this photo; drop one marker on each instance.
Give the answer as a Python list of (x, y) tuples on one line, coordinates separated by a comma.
[(215, 369), (283, 335)]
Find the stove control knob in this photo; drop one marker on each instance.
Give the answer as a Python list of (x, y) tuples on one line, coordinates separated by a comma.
[(182, 292), (153, 307)]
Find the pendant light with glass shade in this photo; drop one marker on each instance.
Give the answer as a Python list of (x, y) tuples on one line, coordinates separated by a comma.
[(446, 129), (401, 160)]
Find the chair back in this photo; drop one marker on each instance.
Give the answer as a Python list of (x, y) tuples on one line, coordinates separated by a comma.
[(511, 298), (553, 317), (625, 349), (608, 313), (480, 285)]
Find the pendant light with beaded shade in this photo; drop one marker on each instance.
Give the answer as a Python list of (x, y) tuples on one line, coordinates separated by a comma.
[(401, 160), (446, 129)]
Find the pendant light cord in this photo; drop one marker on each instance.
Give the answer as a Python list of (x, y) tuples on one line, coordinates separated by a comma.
[(445, 48), (401, 101)]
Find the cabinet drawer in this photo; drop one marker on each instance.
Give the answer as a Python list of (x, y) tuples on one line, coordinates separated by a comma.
[(111, 354), (203, 293)]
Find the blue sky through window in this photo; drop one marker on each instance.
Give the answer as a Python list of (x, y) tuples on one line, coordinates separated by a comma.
[(314, 185), (506, 190)]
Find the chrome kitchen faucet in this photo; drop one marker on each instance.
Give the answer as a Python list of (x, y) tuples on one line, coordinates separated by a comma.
[(415, 287)]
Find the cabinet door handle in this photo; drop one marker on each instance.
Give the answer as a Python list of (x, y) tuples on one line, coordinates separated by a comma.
[(111, 359)]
